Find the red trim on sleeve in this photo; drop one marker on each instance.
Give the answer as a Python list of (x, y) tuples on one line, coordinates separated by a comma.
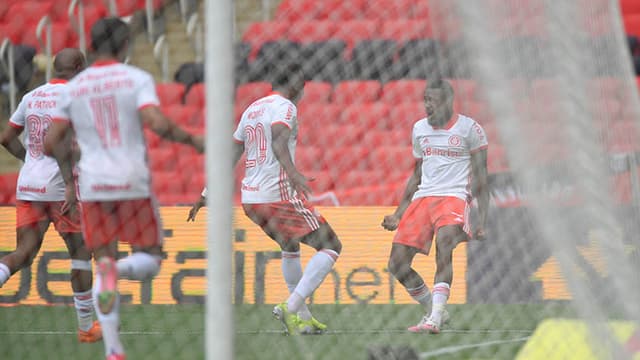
[(57, 81), (281, 122), (104, 62), (16, 126), (146, 106), (483, 147), (238, 141), (61, 120)]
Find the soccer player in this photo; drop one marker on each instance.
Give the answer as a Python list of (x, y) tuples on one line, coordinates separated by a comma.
[(274, 196), (107, 105), (42, 197), (450, 149)]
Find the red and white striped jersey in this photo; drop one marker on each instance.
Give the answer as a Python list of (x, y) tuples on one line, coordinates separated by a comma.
[(265, 181), (40, 178), (103, 104), (446, 156)]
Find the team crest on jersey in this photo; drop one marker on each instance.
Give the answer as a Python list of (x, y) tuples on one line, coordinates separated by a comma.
[(454, 140), (424, 141)]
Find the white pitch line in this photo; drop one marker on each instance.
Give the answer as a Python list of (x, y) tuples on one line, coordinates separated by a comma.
[(272, 331), (454, 349)]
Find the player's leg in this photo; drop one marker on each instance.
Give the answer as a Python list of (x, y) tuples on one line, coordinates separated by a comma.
[(101, 228), (400, 261), (31, 225)]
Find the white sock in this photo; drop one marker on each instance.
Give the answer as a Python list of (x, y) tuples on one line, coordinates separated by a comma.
[(317, 269), (110, 322), (84, 309), (292, 271), (440, 296), (5, 274), (422, 295), (138, 266)]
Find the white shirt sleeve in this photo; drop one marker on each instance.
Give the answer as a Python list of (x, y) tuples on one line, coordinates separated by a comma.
[(417, 151), (18, 118), (477, 139), (285, 113), (147, 93)]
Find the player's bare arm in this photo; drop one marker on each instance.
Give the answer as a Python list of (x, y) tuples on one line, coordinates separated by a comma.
[(281, 134), (167, 129), (9, 139), (480, 190), (390, 222), (238, 150)]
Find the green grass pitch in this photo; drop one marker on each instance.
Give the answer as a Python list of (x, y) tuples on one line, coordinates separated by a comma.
[(177, 332)]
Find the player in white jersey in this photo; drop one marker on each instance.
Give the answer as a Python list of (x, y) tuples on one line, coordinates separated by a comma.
[(274, 196), (41, 194), (107, 105), (451, 166)]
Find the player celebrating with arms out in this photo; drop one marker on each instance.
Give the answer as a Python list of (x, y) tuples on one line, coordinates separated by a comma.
[(450, 150), (274, 196), (107, 104), (42, 197)]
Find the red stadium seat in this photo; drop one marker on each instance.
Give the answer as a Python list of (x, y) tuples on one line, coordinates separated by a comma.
[(322, 181), (162, 159), (290, 11), (170, 93), (497, 159), (184, 115), (317, 92), (190, 163), (196, 96), (314, 117), (629, 7), (396, 161), (465, 90), (382, 195), (309, 158), (402, 91), (311, 31), (34, 11), (369, 116), (388, 9), (260, 32), (341, 159), (332, 136), (250, 92), (340, 10), (404, 115), (60, 35), (396, 137), (478, 111), (353, 91), (167, 183), (352, 32), (360, 178), (421, 10), (194, 184), (404, 30)]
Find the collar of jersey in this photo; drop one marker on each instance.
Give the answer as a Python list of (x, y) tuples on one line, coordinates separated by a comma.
[(449, 123), (104, 62), (57, 81), (273, 92)]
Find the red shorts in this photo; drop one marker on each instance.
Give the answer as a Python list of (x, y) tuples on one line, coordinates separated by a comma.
[(136, 222), (426, 215), (30, 213), (288, 220)]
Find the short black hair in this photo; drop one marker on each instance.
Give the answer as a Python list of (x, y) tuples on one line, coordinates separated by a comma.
[(284, 74), (109, 36), (443, 85)]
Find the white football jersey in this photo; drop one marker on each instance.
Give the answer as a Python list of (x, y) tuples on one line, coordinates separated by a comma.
[(103, 106), (265, 181), (40, 178), (446, 156)]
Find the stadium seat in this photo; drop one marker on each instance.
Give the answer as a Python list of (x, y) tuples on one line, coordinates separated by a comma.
[(324, 61), (196, 96), (35, 11), (162, 159), (258, 33), (309, 158), (401, 91), (464, 89), (170, 93), (370, 116), (497, 159), (346, 158), (194, 185), (190, 162), (418, 59), (340, 10), (388, 9), (60, 37), (404, 115), (352, 32), (317, 92), (629, 7), (632, 24), (396, 161), (183, 115), (403, 30), (311, 31), (382, 195), (271, 55), (312, 117), (360, 178), (477, 110), (322, 181), (290, 11), (350, 92), (250, 92), (332, 136), (397, 137), (372, 60), (168, 182), (421, 10)]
